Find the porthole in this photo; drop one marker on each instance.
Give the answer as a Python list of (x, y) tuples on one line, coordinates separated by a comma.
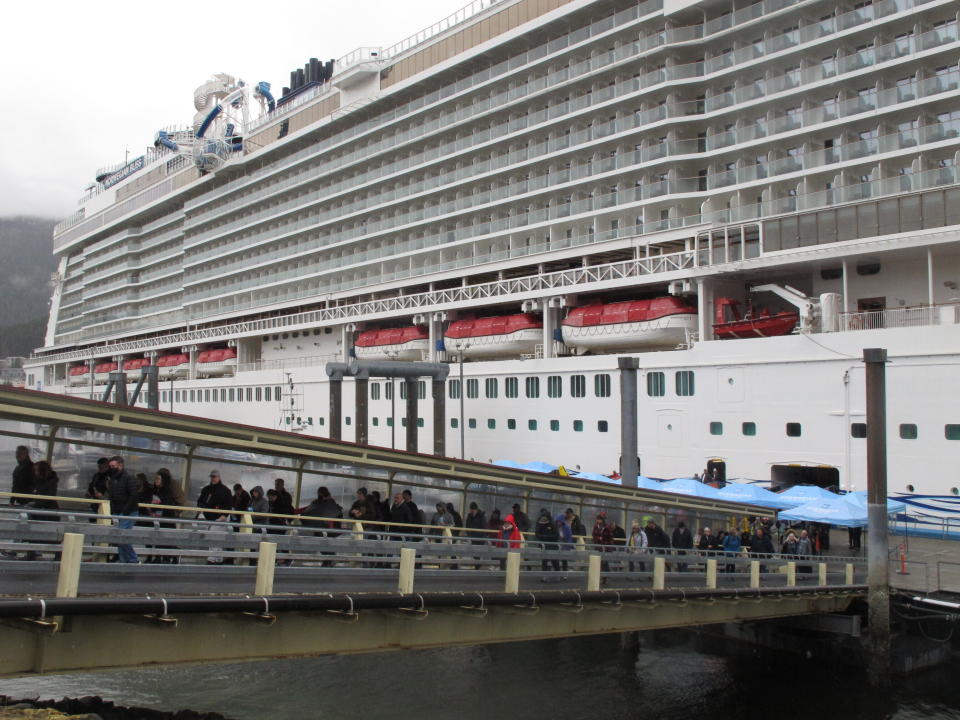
[(910, 488), (955, 491)]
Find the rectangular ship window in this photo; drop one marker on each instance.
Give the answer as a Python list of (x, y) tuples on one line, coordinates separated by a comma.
[(601, 385), (656, 384), (908, 431), (533, 387)]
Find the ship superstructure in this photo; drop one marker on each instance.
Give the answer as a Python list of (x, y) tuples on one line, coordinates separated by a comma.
[(776, 168)]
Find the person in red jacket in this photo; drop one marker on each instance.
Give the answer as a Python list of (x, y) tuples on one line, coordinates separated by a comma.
[(603, 538), (510, 531)]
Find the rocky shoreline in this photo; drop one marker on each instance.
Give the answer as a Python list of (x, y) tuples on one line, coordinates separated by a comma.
[(91, 707)]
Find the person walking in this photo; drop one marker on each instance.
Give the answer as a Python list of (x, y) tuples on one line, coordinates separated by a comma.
[(23, 476), (731, 548), (217, 500), (124, 494), (682, 541), (548, 537), (637, 546)]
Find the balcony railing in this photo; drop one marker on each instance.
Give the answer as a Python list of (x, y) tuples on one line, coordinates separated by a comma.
[(918, 316)]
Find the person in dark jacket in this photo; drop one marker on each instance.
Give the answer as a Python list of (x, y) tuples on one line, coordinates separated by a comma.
[(285, 498), (323, 507), (23, 476), (761, 545), (476, 521), (457, 518), (259, 504), (241, 500), (46, 483), (708, 541), (99, 486), (216, 498), (523, 522), (362, 509), (124, 494), (400, 512), (682, 540), (547, 535), (167, 492)]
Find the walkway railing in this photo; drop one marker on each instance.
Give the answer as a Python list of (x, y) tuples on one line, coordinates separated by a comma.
[(919, 316)]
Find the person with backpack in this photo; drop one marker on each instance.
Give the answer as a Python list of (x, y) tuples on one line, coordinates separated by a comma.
[(548, 537)]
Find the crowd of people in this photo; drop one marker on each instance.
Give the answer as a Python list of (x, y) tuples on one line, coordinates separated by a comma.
[(135, 496)]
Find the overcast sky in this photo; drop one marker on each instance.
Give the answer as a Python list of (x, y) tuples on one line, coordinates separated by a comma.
[(83, 82)]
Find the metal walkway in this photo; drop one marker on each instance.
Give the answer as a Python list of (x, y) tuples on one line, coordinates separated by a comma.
[(295, 590)]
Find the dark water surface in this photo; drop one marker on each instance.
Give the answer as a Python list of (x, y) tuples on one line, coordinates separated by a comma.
[(669, 676)]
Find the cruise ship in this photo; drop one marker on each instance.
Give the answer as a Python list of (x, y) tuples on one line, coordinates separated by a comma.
[(741, 195)]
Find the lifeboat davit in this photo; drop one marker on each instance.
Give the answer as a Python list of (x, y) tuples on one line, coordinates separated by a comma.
[(662, 322), (217, 363), (101, 372), (78, 375), (404, 343), (173, 366), (492, 337), (730, 324)]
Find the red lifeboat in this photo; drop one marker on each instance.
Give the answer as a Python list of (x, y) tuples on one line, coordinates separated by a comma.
[(217, 362), (101, 371), (491, 337), (174, 365), (403, 343), (78, 375), (657, 323), (729, 323)]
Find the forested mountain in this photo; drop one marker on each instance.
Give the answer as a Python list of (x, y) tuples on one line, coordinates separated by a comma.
[(26, 264)]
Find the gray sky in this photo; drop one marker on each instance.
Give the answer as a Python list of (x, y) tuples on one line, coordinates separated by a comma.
[(85, 81)]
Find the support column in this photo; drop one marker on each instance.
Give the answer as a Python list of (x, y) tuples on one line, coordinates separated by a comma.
[(118, 380), (346, 341), (151, 377), (336, 406), (704, 309), (628, 421), (930, 301), (412, 397), (438, 388), (194, 351), (549, 323), (845, 286), (362, 410), (878, 581)]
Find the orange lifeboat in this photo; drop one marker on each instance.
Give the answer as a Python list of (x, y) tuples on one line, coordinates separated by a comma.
[(654, 324), (403, 343), (494, 337)]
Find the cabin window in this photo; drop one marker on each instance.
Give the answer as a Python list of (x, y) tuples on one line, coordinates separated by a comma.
[(375, 391), (555, 425), (206, 395), (908, 431), (419, 422), (276, 393), (951, 432), (454, 423), (578, 386), (794, 429), (389, 422), (491, 387), (533, 387), (749, 429), (223, 394), (656, 384), (453, 390), (491, 424), (259, 394), (472, 423), (511, 387), (231, 395), (375, 421), (473, 388), (858, 430), (684, 382), (249, 394), (511, 424), (403, 391), (193, 396), (422, 389), (601, 385), (267, 394), (321, 421), (578, 425), (346, 420), (716, 428), (554, 386), (602, 426), (213, 396), (531, 424)]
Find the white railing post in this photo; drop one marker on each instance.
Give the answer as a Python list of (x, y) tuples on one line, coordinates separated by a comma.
[(659, 573), (711, 573), (822, 574), (512, 582), (754, 574), (266, 565), (593, 573), (791, 574), (71, 555), (848, 574), (408, 561)]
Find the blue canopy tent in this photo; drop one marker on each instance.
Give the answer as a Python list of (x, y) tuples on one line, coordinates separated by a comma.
[(835, 511), (802, 494), (539, 466), (754, 495), (860, 498), (509, 464), (596, 476), (689, 486)]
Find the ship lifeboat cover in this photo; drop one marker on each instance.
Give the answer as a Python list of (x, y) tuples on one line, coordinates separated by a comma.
[(500, 325), (391, 336), (631, 311)]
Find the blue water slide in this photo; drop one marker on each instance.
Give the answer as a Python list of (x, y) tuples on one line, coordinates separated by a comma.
[(162, 138), (211, 116), (263, 89)]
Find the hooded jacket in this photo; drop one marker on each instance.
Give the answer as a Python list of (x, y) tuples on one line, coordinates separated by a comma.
[(510, 531)]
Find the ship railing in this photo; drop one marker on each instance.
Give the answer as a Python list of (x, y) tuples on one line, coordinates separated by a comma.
[(916, 316), (287, 363)]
